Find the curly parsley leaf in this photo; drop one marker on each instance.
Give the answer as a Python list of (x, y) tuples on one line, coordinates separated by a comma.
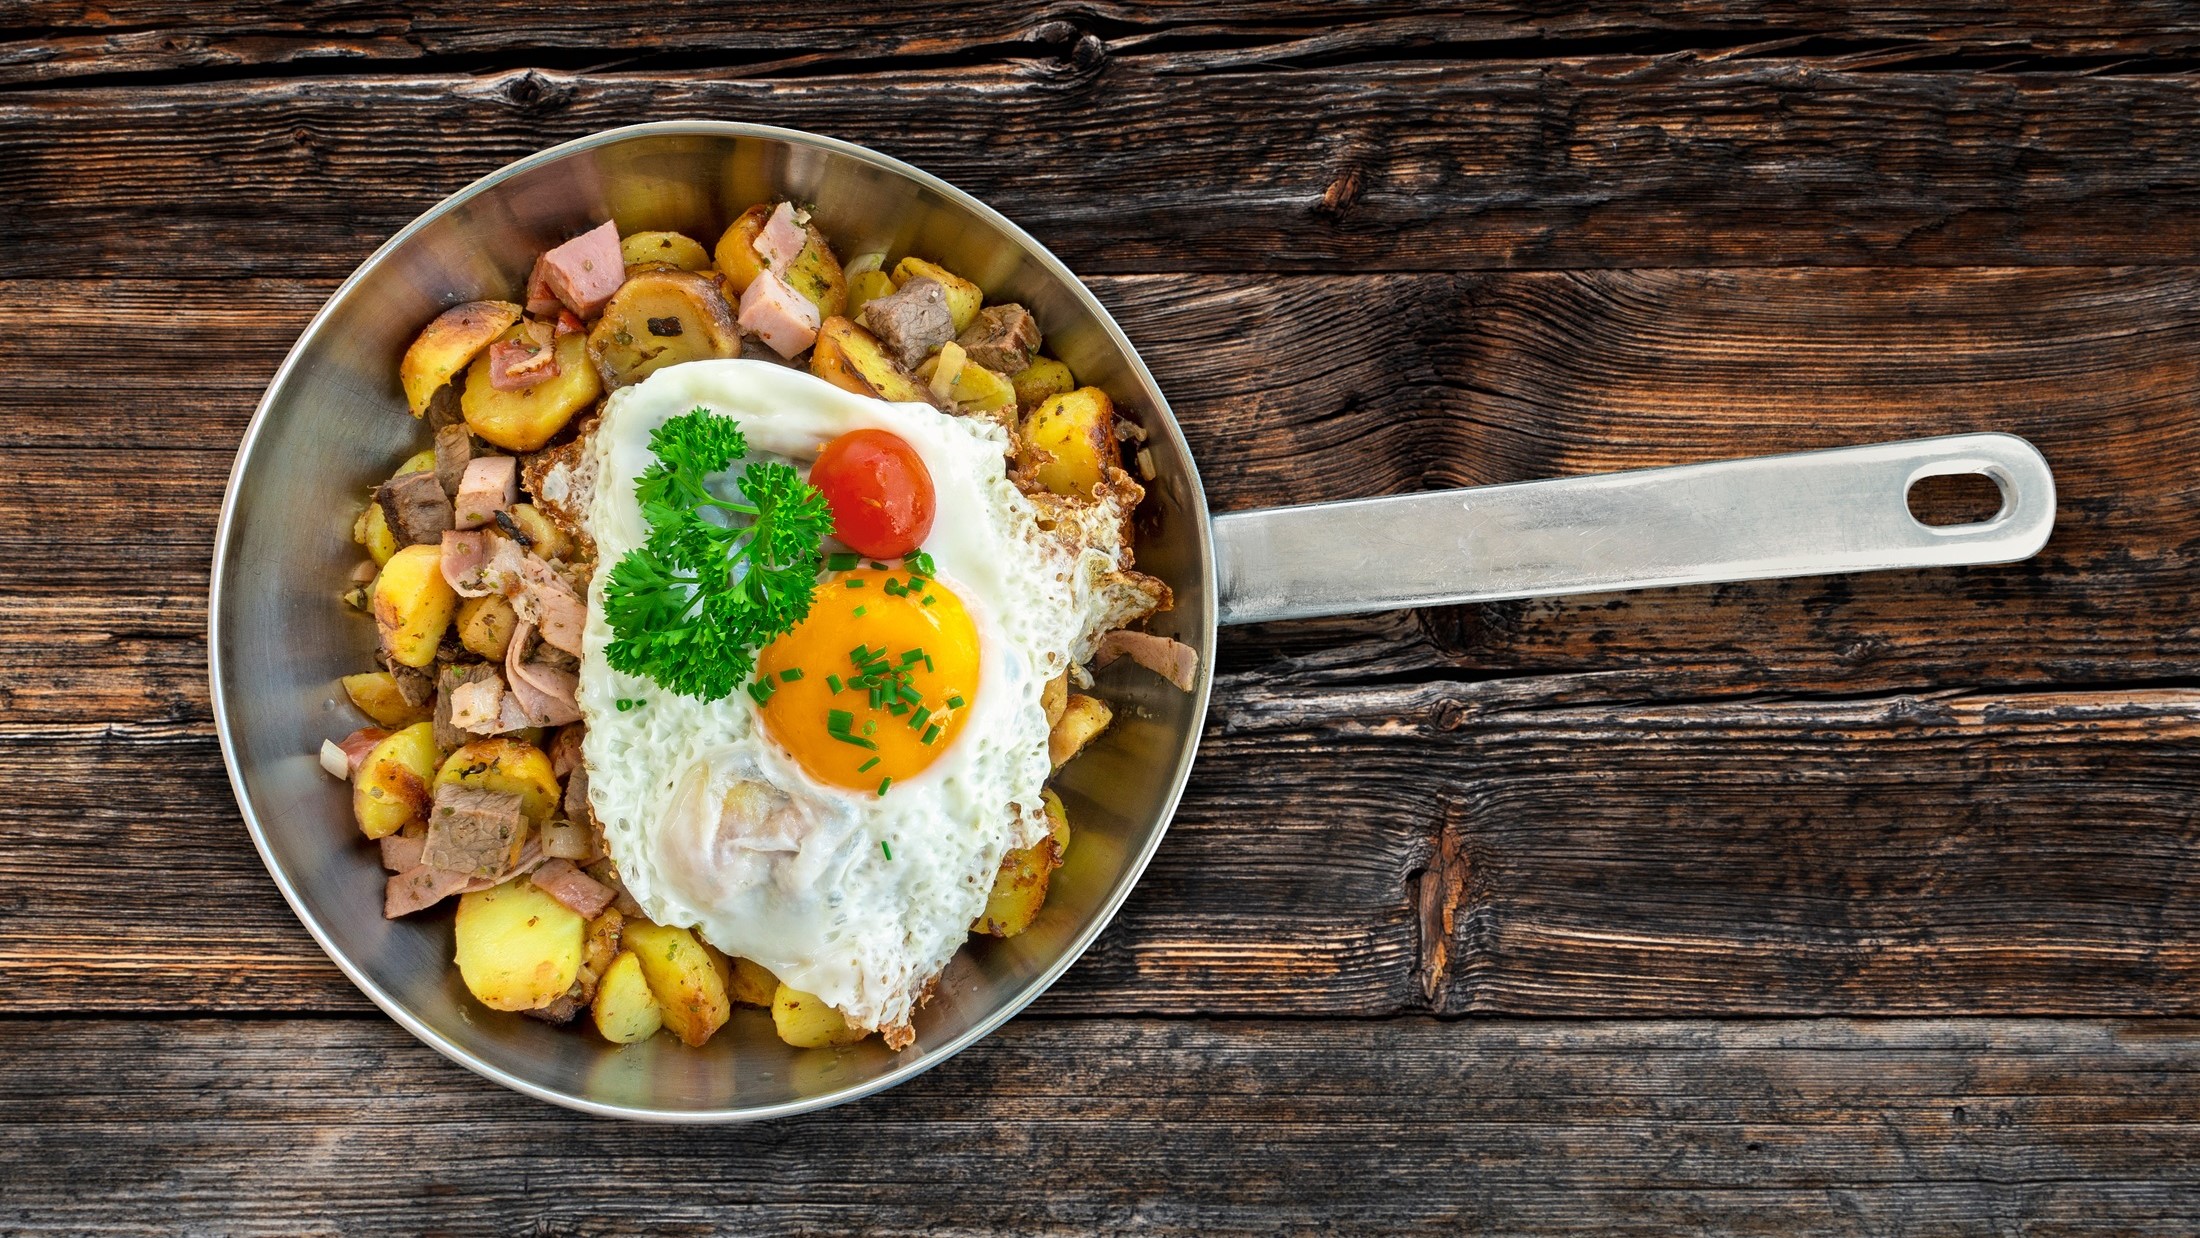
[(690, 607)]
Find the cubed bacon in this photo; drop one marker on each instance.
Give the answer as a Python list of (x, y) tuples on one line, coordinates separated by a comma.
[(490, 485), (784, 318), (1173, 660), (781, 240), (586, 270), (567, 324), (516, 365), (564, 881), (541, 302)]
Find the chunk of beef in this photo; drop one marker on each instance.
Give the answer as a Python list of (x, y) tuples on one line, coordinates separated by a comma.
[(912, 321), (454, 449), (474, 831), (415, 508), (1003, 339), (415, 685)]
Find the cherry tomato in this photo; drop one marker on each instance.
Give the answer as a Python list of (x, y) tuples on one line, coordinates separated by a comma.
[(879, 490)]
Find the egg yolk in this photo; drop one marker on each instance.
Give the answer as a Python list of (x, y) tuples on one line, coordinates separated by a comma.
[(874, 685)]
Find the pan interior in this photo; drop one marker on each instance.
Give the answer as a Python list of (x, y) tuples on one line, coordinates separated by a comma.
[(333, 424)]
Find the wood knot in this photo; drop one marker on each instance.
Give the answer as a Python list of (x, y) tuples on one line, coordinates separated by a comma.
[(1448, 716), (533, 91), (1341, 196), (1436, 891), (1088, 54)]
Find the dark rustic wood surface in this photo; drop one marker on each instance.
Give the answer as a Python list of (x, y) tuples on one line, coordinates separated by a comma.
[(1865, 905)]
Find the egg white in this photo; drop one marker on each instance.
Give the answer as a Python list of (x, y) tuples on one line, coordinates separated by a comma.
[(857, 898)]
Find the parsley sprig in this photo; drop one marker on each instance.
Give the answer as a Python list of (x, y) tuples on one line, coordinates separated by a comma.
[(690, 607)]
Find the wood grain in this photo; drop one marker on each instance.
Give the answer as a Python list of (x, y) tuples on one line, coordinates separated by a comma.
[(1604, 161), (56, 40), (1414, 1126)]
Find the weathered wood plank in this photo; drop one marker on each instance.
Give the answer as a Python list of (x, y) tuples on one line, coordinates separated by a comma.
[(1374, 851), (1609, 161), (58, 40), (1413, 1126)]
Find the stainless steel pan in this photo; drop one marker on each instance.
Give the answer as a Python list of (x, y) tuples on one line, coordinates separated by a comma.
[(332, 423)]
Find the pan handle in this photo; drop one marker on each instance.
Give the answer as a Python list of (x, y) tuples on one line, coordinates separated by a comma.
[(1809, 514)]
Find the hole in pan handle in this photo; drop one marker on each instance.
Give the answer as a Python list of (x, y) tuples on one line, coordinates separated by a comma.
[(1809, 514)]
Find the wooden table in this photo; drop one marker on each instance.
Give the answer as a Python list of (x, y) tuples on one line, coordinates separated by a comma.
[(1854, 905)]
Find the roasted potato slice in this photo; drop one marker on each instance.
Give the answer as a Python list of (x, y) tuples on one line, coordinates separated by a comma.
[(545, 537), (509, 766), (806, 1022), (964, 299), (681, 975), (671, 249), (1068, 442), (602, 945), (957, 382), (867, 286), (852, 359), (486, 624), (518, 948), (816, 274), (372, 530), (752, 983), (526, 419), (1020, 889), (391, 791), (1043, 377), (1054, 698), (736, 251), (625, 1010), (448, 344), (661, 318), (377, 696), (1083, 718), (413, 603)]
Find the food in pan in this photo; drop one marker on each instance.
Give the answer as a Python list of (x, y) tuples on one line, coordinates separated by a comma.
[(731, 631)]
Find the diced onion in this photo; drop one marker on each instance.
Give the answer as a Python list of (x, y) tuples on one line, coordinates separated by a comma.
[(863, 263), (952, 358), (334, 761), (568, 840)]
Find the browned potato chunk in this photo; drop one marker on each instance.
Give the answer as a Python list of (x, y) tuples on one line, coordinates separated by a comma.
[(964, 299), (486, 624), (546, 538), (377, 696), (507, 766), (518, 948), (806, 1022), (1043, 377), (682, 977), (671, 249), (390, 791), (413, 604), (867, 286), (661, 318), (1054, 698), (1020, 889), (816, 274), (852, 359), (448, 344), (736, 251), (752, 984), (625, 1010), (602, 945), (1083, 718), (1068, 442), (526, 419), (959, 383)]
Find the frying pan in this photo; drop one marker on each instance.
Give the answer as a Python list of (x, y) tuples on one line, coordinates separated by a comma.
[(332, 423)]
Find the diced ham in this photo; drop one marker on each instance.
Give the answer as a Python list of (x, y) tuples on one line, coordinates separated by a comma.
[(357, 745), (545, 694), (565, 749), (912, 320), (448, 683), (567, 324), (400, 853), (473, 830), (586, 270), (577, 806), (419, 888), (1002, 338), (541, 302), (490, 485), (786, 320), (476, 706), (781, 240), (516, 365), (1173, 660), (466, 563), (565, 882), (454, 449), (415, 508), (549, 603)]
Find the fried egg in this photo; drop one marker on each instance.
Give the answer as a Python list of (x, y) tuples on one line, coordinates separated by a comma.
[(853, 870)]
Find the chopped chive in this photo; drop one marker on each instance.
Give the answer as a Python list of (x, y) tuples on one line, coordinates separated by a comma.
[(878, 697), (865, 768), (859, 611), (917, 582), (860, 654), (760, 692), (919, 718), (870, 728), (877, 566), (841, 561), (852, 583), (884, 783), (927, 599), (954, 702), (913, 655), (920, 563), (832, 681), (857, 740), (931, 732), (882, 842), (928, 663), (894, 588), (791, 674), (839, 720), (897, 709), (909, 694)]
